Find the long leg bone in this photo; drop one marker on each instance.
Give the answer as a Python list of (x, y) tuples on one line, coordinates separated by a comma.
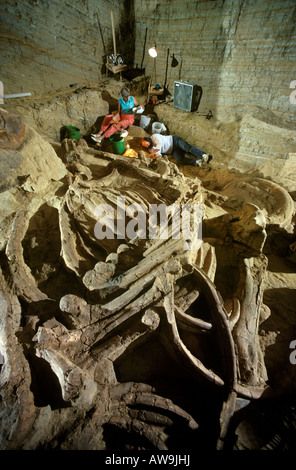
[(22, 278)]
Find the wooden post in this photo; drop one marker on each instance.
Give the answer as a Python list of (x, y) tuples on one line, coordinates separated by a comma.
[(113, 33)]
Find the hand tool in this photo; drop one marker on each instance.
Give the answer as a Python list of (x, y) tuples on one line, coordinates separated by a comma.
[(208, 115)]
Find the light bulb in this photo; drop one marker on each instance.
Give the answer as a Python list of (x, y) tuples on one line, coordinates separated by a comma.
[(152, 51)]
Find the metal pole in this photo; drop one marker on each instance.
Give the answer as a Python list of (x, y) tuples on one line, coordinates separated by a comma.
[(16, 95)]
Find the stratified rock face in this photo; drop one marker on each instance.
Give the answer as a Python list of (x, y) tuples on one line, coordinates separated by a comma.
[(239, 52), (49, 45), (25, 157)]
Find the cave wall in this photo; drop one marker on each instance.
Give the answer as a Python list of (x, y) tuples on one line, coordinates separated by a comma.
[(47, 45), (239, 51)]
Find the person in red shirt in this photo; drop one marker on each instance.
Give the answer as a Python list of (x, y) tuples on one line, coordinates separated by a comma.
[(121, 119)]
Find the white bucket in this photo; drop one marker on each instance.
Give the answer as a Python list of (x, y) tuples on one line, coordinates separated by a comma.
[(158, 128), (144, 121)]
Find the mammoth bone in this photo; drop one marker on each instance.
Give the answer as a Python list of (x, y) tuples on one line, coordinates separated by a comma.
[(121, 293)]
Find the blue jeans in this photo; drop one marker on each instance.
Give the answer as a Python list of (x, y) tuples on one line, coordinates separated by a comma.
[(180, 147)]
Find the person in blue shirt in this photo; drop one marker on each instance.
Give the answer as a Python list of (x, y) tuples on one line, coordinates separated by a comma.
[(121, 119)]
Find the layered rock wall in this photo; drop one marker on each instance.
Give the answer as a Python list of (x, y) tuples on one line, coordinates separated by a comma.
[(46, 45), (239, 52)]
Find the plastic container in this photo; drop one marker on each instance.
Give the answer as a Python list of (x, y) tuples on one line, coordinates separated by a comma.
[(117, 143), (144, 121), (73, 132), (158, 128), (138, 109)]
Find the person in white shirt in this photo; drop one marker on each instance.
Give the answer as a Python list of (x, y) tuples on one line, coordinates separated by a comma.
[(174, 145)]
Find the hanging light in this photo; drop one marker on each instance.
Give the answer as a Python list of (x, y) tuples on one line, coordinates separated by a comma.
[(152, 51)]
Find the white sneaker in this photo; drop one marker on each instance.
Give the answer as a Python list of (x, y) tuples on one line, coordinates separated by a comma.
[(96, 139), (206, 158)]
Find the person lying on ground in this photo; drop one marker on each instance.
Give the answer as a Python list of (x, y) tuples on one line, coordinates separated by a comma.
[(178, 148), (122, 119)]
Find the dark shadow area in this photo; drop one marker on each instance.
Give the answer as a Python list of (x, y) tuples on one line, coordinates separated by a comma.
[(103, 67), (43, 309), (133, 73), (268, 424), (276, 248), (125, 439), (45, 385), (178, 436), (63, 133), (151, 364), (41, 243), (227, 275), (198, 97), (112, 102), (281, 326), (113, 106), (42, 254), (127, 30)]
